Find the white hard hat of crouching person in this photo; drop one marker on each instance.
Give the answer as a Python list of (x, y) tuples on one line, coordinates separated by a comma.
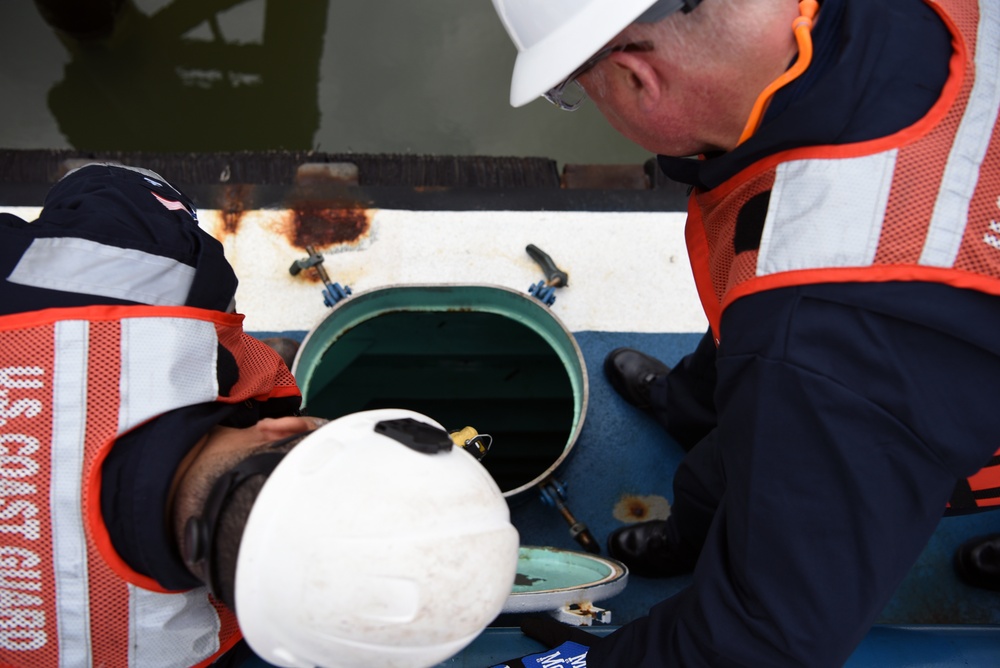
[(374, 543), (555, 37)]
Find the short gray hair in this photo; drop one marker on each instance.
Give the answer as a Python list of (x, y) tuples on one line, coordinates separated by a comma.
[(679, 32)]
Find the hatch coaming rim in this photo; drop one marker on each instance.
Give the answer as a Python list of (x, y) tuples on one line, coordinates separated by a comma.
[(580, 413)]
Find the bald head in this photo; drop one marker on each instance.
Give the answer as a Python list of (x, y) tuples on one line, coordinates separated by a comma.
[(694, 91)]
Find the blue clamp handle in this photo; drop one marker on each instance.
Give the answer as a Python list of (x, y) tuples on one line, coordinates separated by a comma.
[(544, 293), (555, 277), (334, 292), (553, 492)]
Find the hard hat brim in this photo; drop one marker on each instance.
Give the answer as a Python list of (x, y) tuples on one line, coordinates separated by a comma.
[(547, 63)]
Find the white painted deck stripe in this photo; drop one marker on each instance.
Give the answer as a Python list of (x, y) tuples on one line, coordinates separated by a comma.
[(628, 271)]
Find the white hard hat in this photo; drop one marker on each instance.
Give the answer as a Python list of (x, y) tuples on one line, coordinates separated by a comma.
[(554, 37), (374, 543)]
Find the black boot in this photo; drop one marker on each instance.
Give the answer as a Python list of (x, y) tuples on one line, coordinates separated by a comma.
[(631, 372), (649, 551), (977, 562)]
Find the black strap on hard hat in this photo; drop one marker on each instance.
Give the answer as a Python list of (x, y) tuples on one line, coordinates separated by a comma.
[(416, 435), (199, 531), (661, 9)]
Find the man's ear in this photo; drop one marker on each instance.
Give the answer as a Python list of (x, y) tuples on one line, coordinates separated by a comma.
[(273, 429), (640, 78)]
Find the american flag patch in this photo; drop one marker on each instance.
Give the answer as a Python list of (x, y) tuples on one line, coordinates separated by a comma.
[(173, 205)]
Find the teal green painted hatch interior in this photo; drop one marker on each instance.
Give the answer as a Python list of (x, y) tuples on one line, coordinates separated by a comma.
[(476, 355), (544, 569)]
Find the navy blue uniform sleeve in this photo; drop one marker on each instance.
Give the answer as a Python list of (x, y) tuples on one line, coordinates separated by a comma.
[(845, 415), (135, 486)]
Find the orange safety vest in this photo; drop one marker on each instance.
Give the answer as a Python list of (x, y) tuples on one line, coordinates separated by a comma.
[(72, 380), (919, 205)]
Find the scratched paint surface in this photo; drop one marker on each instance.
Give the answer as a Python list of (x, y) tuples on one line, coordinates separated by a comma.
[(628, 271)]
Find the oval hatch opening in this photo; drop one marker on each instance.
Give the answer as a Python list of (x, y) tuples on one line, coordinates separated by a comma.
[(461, 367)]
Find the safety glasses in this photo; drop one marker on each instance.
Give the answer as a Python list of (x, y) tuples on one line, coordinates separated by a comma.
[(569, 94)]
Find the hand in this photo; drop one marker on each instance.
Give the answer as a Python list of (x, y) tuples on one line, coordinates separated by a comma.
[(570, 645)]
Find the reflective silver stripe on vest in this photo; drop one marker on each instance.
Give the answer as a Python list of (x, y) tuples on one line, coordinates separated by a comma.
[(951, 211), (90, 268), (166, 363), (69, 545), (193, 622), (826, 213)]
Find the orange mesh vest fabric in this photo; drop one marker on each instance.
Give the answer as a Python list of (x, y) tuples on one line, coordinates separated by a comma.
[(918, 205), (71, 381)]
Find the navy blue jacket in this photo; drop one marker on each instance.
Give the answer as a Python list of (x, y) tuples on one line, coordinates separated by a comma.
[(827, 431), (115, 206)]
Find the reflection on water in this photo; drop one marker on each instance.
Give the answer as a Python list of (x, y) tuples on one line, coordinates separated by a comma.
[(381, 76), (197, 74)]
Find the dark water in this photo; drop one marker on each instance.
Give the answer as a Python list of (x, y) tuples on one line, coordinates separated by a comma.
[(365, 76), (466, 369)]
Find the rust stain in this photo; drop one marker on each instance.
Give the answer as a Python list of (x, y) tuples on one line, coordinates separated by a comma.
[(637, 509), (233, 208), (324, 212), (323, 224), (631, 508)]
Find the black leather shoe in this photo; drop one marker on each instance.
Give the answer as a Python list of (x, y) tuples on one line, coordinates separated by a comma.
[(631, 372), (648, 551), (977, 562)]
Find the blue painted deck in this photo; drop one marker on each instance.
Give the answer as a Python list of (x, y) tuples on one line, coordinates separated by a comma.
[(910, 646), (933, 620)]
